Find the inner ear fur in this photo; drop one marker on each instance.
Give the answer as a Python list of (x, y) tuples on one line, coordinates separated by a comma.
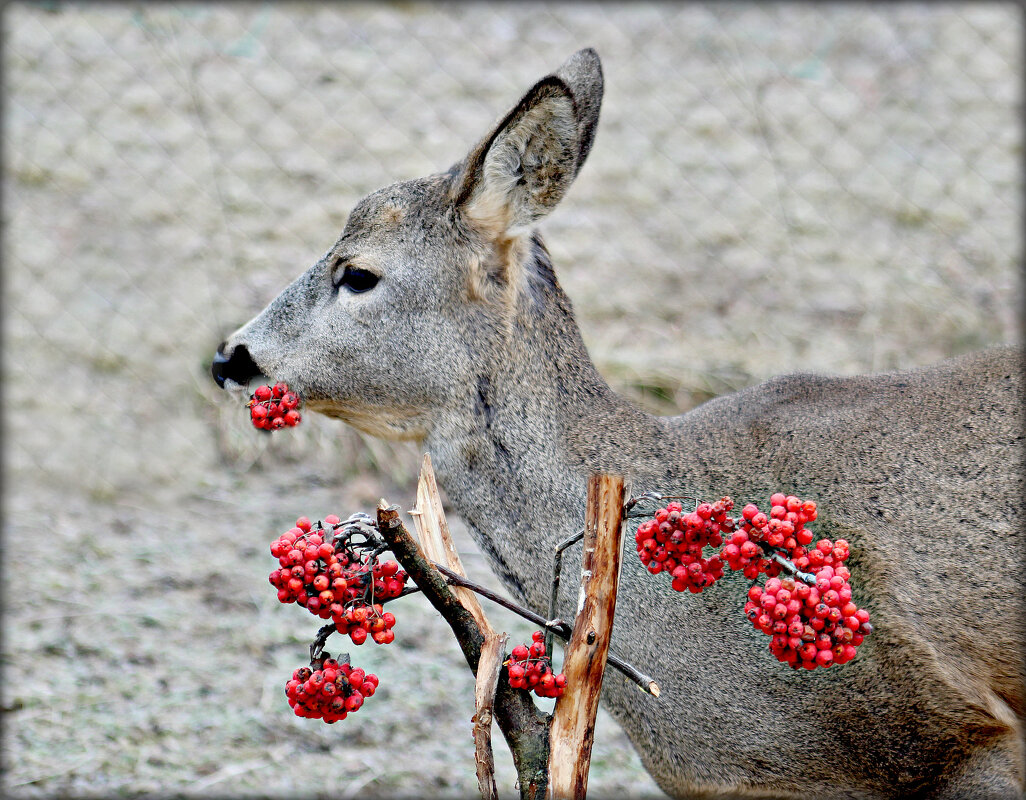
[(524, 167), (520, 171)]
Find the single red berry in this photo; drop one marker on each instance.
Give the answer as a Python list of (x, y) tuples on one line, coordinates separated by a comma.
[(354, 701), (358, 635)]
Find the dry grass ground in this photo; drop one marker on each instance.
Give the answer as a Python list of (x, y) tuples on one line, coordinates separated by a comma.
[(773, 188)]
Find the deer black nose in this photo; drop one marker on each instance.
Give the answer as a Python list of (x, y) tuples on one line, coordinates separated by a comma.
[(237, 366)]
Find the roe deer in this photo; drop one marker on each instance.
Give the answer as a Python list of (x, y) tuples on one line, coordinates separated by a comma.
[(437, 317)]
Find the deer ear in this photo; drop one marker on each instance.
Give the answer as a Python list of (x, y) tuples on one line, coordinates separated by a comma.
[(522, 169)]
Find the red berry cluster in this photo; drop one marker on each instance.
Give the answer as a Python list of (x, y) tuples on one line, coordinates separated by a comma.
[(329, 690), (672, 542), (530, 668), (784, 528), (274, 407), (811, 626), (812, 618), (333, 577)]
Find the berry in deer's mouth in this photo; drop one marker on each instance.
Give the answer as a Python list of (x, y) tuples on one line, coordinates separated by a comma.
[(274, 407)]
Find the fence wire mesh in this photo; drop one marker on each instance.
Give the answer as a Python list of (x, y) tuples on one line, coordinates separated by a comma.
[(773, 187)]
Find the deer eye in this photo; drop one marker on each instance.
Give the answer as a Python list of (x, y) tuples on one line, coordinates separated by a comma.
[(357, 280)]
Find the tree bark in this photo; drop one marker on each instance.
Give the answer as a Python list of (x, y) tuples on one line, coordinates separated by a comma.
[(484, 702), (573, 725)]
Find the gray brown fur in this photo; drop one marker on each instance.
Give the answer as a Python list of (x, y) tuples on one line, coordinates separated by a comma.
[(469, 346)]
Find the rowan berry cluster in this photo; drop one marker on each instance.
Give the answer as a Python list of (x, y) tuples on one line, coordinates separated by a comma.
[(810, 626), (329, 690), (274, 407), (750, 547), (673, 541), (810, 617), (335, 577), (530, 668)]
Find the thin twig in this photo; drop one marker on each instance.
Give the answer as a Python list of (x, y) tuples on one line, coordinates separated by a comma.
[(557, 626), (557, 568), (455, 579)]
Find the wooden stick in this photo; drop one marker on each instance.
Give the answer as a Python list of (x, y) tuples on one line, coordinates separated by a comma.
[(524, 727), (488, 669), (436, 541), (573, 724)]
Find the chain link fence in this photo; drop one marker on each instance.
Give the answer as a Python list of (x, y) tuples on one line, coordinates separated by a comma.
[(773, 187)]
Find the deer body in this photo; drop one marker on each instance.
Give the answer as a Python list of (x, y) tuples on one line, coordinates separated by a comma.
[(437, 317)]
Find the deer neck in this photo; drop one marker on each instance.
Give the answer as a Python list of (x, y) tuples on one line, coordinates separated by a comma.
[(515, 453)]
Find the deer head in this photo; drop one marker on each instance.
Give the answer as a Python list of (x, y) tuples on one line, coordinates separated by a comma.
[(388, 330)]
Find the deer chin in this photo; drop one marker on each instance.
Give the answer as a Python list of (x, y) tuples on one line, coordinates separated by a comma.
[(398, 423)]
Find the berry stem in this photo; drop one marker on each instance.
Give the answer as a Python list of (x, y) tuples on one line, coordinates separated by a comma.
[(317, 645), (633, 501), (787, 564), (557, 568)]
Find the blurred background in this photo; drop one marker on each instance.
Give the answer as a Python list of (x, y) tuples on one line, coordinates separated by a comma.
[(773, 188)]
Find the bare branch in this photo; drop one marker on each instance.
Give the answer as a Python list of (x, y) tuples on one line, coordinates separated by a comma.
[(557, 568), (524, 727), (561, 629)]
